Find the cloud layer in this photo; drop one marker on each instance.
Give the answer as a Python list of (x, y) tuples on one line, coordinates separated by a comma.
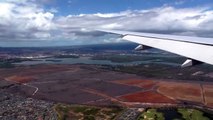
[(24, 21), (28, 20)]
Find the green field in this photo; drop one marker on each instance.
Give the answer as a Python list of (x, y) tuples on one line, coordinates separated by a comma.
[(192, 114), (185, 114), (133, 58), (151, 114), (76, 112)]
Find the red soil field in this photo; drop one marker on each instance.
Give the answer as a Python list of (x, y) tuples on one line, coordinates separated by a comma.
[(20, 79), (182, 91), (125, 86), (147, 84), (33, 70), (128, 82), (147, 97), (208, 91), (44, 70)]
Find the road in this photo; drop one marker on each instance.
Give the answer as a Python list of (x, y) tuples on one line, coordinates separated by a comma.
[(30, 84)]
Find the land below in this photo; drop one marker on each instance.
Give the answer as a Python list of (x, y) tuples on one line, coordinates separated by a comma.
[(96, 85), (96, 82)]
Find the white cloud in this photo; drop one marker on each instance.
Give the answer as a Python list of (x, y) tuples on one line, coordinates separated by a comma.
[(53, 10), (111, 26), (6, 11), (40, 21), (180, 2), (26, 20), (188, 21)]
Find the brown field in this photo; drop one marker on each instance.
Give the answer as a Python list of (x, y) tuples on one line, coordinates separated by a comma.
[(89, 84), (20, 79), (146, 97), (181, 91), (208, 91), (147, 84), (66, 83), (129, 82), (33, 70), (190, 92)]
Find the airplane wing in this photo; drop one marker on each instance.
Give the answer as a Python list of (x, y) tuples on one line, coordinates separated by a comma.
[(196, 49)]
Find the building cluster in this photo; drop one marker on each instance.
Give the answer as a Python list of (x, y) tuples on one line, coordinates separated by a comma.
[(130, 114), (15, 107)]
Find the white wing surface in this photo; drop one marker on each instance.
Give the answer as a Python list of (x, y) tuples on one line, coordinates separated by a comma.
[(196, 49)]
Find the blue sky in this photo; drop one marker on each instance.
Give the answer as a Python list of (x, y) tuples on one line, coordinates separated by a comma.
[(66, 7), (68, 22)]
